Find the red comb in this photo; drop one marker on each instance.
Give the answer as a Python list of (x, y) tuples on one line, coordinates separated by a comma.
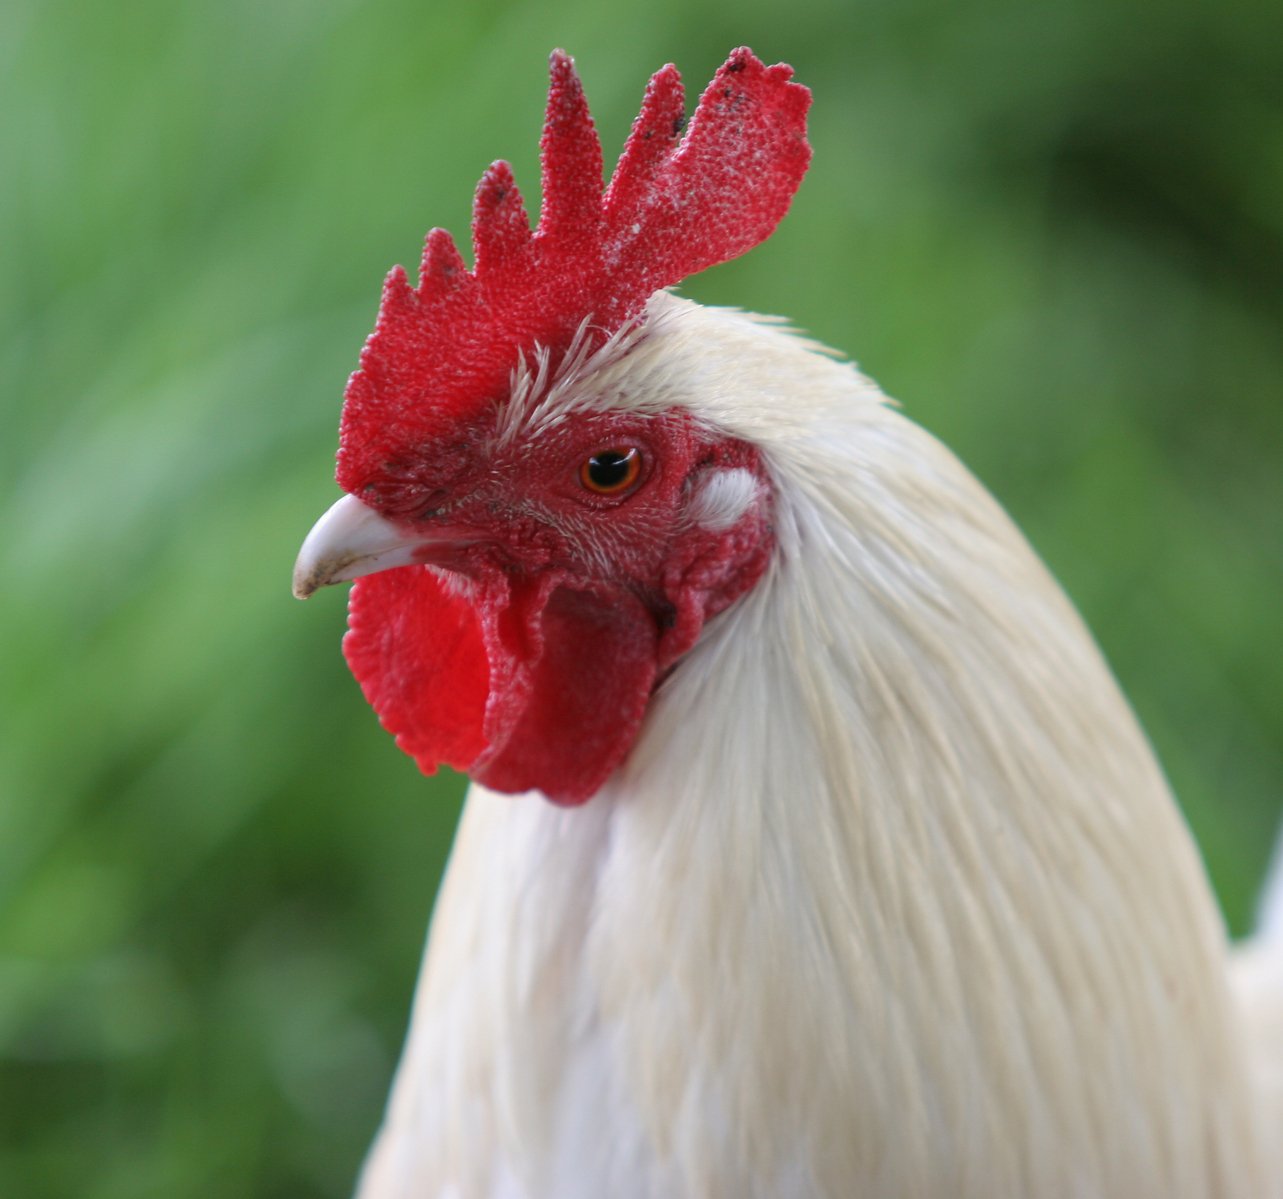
[(677, 204)]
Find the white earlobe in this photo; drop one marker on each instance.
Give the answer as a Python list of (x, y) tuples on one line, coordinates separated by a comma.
[(721, 498)]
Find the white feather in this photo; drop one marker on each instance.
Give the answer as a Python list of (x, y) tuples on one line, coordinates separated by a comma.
[(890, 898)]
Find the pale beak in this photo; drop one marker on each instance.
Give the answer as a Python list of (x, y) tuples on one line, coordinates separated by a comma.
[(352, 540)]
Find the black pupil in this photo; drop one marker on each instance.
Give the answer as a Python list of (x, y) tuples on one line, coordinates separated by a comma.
[(609, 468)]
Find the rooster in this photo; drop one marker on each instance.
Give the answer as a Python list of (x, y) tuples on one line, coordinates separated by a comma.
[(840, 866)]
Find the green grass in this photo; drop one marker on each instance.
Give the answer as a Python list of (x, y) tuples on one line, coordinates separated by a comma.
[(1054, 232)]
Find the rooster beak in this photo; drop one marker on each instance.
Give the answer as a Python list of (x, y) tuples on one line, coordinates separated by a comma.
[(349, 541)]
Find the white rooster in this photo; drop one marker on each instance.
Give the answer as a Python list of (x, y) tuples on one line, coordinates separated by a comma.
[(852, 873)]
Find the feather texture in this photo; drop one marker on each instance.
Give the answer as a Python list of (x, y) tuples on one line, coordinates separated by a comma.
[(890, 894)]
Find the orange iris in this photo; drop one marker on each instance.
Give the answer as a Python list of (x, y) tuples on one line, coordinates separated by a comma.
[(612, 471)]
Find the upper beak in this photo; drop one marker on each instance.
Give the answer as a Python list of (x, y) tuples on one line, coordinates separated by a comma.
[(352, 540)]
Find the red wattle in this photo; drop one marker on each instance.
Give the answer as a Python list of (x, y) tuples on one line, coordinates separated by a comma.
[(526, 685), (572, 713), (417, 651)]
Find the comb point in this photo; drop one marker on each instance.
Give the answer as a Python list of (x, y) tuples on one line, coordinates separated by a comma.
[(653, 139), (570, 161), (398, 295), (441, 269), (500, 227)]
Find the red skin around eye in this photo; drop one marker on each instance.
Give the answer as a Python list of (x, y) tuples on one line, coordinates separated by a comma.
[(539, 680)]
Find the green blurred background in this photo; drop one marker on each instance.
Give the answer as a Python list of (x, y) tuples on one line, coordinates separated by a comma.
[(1053, 230)]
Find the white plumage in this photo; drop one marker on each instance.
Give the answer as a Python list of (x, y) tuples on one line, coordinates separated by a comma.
[(889, 899)]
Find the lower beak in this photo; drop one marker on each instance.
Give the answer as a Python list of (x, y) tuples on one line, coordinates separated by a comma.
[(352, 540)]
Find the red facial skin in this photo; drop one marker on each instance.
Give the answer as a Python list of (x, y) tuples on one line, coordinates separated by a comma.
[(529, 659), (526, 651)]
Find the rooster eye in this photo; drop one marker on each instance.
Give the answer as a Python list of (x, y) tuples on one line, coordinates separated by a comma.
[(610, 472)]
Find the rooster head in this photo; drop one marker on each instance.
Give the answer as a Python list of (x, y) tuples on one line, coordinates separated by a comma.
[(536, 537)]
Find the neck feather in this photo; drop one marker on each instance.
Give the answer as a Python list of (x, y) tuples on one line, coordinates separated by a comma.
[(891, 881)]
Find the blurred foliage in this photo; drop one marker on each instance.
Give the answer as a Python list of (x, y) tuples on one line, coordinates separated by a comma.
[(1053, 230)]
